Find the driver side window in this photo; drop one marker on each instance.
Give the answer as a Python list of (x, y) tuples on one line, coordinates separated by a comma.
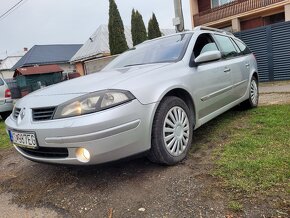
[(203, 44)]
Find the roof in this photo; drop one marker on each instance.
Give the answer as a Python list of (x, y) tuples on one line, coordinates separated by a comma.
[(98, 44), (9, 62), (47, 54), (38, 70)]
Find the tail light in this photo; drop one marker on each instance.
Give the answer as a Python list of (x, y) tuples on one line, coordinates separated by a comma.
[(7, 93)]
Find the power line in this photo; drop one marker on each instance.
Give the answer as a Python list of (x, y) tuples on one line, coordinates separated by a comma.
[(9, 11)]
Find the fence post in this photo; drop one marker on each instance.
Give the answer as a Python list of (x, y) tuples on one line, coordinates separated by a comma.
[(270, 53)]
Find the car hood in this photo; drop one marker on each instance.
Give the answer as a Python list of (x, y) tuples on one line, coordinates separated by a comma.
[(97, 81)]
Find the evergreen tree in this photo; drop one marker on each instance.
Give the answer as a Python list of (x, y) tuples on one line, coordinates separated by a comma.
[(138, 28), (117, 39), (134, 27), (153, 28)]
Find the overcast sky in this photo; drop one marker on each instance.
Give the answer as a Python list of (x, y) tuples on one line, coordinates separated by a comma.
[(38, 22)]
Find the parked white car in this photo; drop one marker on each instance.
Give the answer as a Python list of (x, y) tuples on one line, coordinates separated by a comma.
[(148, 100), (6, 103)]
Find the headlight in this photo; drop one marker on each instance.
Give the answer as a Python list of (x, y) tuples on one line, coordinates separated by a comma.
[(92, 102)]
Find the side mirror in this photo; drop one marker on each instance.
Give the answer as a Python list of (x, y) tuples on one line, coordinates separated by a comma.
[(208, 56)]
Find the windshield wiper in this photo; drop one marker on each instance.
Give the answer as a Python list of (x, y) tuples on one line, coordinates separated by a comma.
[(158, 62), (131, 65)]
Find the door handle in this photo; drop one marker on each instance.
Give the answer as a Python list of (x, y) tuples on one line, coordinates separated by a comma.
[(247, 65), (226, 70)]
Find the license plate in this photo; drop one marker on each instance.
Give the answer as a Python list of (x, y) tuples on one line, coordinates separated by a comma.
[(24, 139)]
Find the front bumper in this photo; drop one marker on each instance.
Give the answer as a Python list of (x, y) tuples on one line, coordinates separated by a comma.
[(6, 105), (108, 135)]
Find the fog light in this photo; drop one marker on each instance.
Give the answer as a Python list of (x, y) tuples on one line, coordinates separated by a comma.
[(83, 155)]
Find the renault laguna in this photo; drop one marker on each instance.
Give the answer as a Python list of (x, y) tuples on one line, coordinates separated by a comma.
[(149, 100)]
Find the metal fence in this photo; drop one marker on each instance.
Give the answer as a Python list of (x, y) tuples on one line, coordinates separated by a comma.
[(271, 46)]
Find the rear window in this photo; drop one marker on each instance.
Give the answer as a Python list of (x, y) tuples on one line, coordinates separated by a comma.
[(1, 82), (227, 47), (244, 49)]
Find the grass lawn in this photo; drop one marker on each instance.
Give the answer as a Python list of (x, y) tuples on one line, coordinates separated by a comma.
[(4, 139), (251, 154), (256, 157)]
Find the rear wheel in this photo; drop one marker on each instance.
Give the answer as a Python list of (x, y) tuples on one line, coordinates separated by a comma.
[(253, 99), (171, 132)]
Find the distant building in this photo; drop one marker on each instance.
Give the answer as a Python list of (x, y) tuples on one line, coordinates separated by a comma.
[(40, 55), (94, 55), (8, 62), (239, 15), (44, 65)]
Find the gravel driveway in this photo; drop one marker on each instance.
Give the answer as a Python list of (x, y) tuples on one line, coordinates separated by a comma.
[(136, 188)]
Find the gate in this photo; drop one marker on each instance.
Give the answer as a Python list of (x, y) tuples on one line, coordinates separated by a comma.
[(271, 46)]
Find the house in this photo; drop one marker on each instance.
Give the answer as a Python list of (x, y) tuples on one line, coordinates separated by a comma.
[(239, 15), (49, 55), (30, 79), (44, 65), (8, 62), (95, 53)]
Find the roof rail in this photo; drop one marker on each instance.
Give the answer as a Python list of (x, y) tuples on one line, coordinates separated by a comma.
[(211, 29)]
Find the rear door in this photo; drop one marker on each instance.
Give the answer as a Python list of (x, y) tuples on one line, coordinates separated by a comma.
[(234, 65), (247, 60)]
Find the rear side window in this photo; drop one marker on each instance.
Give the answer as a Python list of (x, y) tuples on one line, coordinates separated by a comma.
[(244, 49), (1, 82), (228, 49)]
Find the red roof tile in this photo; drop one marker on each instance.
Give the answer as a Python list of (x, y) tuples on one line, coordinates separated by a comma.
[(38, 70)]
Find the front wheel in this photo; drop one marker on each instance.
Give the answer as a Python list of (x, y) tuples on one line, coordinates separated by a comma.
[(253, 99), (171, 132)]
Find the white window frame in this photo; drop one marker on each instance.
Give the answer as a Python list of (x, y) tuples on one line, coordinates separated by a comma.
[(220, 3)]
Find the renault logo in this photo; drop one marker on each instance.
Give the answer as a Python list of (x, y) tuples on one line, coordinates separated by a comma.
[(21, 116)]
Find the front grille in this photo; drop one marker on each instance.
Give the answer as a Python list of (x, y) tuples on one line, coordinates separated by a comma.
[(42, 114), (46, 152), (16, 112)]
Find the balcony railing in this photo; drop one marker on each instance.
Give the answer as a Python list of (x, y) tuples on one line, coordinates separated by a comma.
[(230, 9)]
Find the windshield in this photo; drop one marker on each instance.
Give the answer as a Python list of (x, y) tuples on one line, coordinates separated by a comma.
[(168, 49)]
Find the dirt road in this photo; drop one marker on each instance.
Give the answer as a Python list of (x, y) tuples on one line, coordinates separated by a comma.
[(136, 188)]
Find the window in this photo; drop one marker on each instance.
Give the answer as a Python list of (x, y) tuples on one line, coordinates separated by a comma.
[(216, 3), (227, 47), (203, 44), (244, 49), (1, 82)]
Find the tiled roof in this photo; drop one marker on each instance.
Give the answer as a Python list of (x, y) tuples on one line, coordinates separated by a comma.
[(47, 54)]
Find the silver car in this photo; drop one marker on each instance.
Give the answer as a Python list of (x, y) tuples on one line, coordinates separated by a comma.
[(6, 102), (148, 100)]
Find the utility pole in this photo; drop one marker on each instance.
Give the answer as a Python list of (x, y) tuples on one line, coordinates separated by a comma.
[(178, 21)]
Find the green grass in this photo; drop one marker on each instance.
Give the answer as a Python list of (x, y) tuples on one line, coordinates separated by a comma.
[(256, 157), (4, 139), (235, 206)]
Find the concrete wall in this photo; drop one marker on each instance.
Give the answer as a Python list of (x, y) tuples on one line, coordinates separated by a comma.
[(97, 65), (67, 68), (6, 74)]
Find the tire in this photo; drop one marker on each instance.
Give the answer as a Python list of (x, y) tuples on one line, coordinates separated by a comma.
[(4, 115), (171, 132), (253, 100)]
